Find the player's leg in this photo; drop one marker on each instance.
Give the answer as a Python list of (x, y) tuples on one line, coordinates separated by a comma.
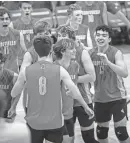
[(54, 136), (69, 134), (65, 134), (120, 121), (102, 117), (37, 136), (86, 124)]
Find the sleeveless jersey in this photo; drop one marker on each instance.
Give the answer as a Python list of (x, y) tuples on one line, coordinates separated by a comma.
[(10, 46), (92, 16), (6, 85), (108, 85), (82, 33), (26, 29), (34, 55), (66, 99), (44, 96), (84, 88)]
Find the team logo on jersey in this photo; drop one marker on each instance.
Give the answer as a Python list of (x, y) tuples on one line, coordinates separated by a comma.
[(4, 87), (91, 14), (101, 66), (80, 37), (5, 46)]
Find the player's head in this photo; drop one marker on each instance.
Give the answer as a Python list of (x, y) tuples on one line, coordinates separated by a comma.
[(42, 45), (42, 27), (103, 35), (65, 31), (4, 17), (65, 48), (2, 61), (25, 8), (75, 14)]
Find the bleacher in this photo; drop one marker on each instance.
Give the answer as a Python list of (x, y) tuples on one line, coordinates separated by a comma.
[(59, 17)]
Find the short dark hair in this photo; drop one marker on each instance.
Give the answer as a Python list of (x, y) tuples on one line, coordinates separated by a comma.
[(3, 11), (41, 26), (72, 8), (61, 46), (66, 30), (105, 28), (42, 45), (21, 2)]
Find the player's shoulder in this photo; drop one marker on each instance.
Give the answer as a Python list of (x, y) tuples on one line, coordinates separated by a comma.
[(8, 72), (34, 20), (14, 31), (16, 21)]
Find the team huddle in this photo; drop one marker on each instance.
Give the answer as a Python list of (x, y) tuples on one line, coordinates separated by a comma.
[(55, 76)]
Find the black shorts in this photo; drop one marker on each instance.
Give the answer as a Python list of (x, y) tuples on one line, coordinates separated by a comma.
[(82, 116), (69, 127), (104, 111), (54, 135)]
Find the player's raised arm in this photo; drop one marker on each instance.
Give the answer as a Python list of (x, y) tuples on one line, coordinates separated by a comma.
[(19, 85)]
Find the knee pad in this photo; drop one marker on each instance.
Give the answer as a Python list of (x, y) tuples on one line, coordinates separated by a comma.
[(102, 132), (88, 136), (121, 133)]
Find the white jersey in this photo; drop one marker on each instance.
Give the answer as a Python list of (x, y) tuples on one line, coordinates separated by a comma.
[(14, 133)]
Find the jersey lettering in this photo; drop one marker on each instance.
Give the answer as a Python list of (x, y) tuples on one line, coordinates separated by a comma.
[(42, 85)]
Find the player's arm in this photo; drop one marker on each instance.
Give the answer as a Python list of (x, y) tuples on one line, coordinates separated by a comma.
[(22, 43), (104, 15), (27, 61), (121, 16), (113, 9), (119, 67), (89, 40), (89, 69), (19, 85), (65, 77), (16, 99)]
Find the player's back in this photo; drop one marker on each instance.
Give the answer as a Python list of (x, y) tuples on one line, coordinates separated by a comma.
[(44, 96), (14, 133)]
